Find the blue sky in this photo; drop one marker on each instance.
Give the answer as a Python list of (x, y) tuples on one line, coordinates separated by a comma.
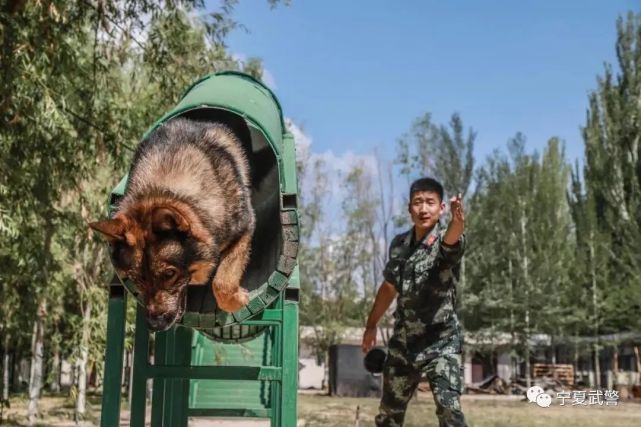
[(355, 74)]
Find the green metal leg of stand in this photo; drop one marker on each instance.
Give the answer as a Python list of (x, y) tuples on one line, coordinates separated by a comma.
[(170, 383), (179, 354), (289, 382), (184, 338), (116, 318), (170, 398), (172, 372), (158, 394), (277, 360), (141, 363)]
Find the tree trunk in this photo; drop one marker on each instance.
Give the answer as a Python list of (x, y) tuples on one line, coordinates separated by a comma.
[(528, 377), (130, 376), (35, 376), (513, 358), (615, 364), (5, 368), (36, 371), (55, 367), (56, 363), (595, 314), (81, 399), (15, 370), (596, 365), (526, 283), (576, 352)]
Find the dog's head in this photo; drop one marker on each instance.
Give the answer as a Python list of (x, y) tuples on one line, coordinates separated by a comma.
[(159, 248)]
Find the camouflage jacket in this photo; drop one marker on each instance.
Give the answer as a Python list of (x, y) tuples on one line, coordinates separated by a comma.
[(425, 275)]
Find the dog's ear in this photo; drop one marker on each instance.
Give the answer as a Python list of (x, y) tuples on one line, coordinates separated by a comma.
[(166, 218), (112, 229)]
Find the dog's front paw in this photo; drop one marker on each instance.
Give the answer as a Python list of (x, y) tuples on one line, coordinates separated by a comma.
[(232, 302)]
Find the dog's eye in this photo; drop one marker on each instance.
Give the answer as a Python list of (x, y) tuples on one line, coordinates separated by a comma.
[(168, 274)]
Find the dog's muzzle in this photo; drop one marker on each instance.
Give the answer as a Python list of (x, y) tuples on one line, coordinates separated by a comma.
[(161, 322)]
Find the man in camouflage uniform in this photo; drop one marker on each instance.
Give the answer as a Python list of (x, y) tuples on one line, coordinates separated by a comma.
[(422, 270)]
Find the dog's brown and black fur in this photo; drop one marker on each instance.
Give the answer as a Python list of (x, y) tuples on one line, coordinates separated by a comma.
[(186, 218)]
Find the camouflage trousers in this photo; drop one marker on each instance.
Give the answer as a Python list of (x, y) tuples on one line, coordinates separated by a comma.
[(400, 379)]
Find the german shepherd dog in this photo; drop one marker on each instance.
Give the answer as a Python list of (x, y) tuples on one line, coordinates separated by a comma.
[(186, 218)]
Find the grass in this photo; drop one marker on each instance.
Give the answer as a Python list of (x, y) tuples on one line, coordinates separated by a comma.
[(324, 411), (55, 410), (496, 411)]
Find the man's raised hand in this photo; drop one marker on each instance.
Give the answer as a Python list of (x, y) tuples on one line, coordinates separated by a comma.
[(456, 208)]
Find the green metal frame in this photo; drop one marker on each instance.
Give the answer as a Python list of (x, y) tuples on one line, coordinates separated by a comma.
[(172, 369), (273, 306)]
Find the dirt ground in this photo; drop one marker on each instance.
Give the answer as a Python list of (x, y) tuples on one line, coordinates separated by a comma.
[(322, 411)]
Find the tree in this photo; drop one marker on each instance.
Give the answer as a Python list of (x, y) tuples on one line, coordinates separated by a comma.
[(591, 268), (362, 235), (80, 84), (613, 174), (440, 152), (337, 263), (521, 221)]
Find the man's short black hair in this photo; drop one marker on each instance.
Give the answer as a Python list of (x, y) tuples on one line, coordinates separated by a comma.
[(426, 184)]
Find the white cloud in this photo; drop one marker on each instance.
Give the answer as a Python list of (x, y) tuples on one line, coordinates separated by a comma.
[(335, 163), (239, 57), (342, 164), (302, 141), (336, 168), (268, 79)]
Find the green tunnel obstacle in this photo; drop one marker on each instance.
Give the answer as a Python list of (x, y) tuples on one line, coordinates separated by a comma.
[(242, 364)]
